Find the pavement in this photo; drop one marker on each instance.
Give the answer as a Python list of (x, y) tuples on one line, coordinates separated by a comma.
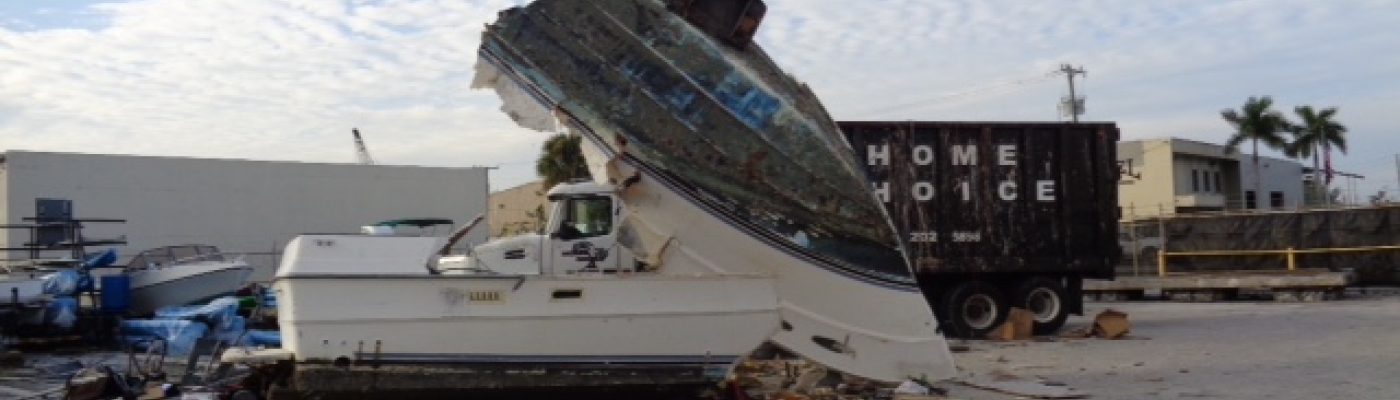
[(1338, 349)]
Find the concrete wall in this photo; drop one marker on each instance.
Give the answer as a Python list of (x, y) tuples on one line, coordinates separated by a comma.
[(513, 210), (240, 206)]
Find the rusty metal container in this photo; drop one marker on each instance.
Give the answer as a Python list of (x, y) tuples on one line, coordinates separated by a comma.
[(988, 198)]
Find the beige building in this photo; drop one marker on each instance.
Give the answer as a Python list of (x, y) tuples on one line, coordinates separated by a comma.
[(1167, 176), (521, 209)]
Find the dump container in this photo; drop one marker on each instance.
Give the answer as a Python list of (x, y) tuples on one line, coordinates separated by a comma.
[(996, 197)]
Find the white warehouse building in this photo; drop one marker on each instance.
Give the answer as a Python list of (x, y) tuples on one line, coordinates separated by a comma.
[(241, 206)]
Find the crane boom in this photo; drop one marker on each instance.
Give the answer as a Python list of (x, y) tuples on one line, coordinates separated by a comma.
[(361, 152)]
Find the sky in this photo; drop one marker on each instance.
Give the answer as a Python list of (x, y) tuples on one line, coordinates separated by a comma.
[(287, 80)]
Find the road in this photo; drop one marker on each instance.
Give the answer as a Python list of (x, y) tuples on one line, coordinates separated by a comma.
[(1341, 349)]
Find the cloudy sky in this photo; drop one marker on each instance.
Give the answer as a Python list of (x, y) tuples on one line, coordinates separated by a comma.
[(287, 80)]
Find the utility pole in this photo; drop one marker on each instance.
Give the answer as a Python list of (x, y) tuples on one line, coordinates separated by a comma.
[(1074, 104), (1397, 171)]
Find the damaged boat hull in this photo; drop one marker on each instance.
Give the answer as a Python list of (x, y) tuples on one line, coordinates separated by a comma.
[(729, 166)]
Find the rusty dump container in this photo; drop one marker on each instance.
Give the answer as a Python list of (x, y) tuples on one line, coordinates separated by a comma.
[(990, 198)]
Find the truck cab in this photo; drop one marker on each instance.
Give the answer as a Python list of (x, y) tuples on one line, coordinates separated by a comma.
[(579, 237)]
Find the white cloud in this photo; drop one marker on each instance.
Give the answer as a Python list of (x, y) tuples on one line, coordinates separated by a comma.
[(286, 80)]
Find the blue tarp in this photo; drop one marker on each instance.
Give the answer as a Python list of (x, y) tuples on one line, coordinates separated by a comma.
[(232, 334), (62, 312), (100, 260), (62, 283), (264, 338), (180, 335), (182, 326), (218, 313)]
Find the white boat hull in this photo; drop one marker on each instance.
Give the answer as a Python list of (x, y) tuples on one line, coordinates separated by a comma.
[(25, 290), (416, 318), (861, 315), (874, 329), (185, 284)]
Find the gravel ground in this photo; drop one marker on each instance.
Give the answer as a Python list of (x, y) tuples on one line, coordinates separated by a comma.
[(1341, 349)]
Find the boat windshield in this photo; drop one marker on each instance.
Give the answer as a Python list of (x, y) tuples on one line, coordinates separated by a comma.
[(171, 255)]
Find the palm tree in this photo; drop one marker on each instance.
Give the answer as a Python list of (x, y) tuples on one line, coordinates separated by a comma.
[(561, 160), (1256, 123), (1315, 134)]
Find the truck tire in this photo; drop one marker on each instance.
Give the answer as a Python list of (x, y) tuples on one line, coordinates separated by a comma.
[(973, 309), (1045, 299)]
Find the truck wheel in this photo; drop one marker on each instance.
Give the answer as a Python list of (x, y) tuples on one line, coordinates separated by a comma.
[(1045, 299), (973, 309)]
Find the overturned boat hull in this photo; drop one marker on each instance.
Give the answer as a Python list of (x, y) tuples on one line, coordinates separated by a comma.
[(729, 166)]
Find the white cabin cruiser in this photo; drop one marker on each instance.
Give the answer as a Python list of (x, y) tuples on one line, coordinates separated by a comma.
[(529, 301)]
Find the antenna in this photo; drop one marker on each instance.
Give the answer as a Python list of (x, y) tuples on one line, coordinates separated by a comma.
[(1072, 105), (361, 153)]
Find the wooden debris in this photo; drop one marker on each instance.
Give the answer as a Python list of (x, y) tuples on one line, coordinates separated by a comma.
[(1017, 326), (1111, 324), (1082, 332)]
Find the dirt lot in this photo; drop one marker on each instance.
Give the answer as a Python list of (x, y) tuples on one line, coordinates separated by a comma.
[(1342, 349)]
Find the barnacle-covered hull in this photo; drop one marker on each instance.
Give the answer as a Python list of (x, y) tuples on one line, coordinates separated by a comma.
[(729, 165)]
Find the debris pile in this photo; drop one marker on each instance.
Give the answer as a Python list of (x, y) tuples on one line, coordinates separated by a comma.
[(794, 379)]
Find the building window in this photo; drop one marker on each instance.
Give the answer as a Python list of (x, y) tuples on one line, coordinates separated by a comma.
[(1276, 199), (1249, 200), (1205, 181), (1217, 182), (1195, 181)]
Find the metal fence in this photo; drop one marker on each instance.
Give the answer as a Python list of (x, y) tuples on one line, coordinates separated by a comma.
[(1359, 238)]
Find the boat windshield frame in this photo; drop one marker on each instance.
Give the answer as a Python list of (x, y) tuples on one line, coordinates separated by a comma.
[(175, 255)]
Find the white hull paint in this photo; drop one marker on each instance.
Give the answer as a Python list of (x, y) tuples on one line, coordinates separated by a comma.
[(881, 332), (369, 298), (26, 290), (185, 284), (877, 328)]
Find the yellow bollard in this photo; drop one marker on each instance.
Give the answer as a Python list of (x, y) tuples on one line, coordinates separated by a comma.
[(1292, 260), (1161, 262)]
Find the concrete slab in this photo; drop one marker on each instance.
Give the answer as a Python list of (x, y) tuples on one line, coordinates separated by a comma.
[(1261, 280), (1236, 350)]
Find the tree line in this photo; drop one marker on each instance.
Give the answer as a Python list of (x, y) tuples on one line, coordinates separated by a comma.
[(1314, 134)]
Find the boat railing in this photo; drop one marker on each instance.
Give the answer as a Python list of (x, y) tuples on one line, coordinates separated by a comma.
[(166, 257)]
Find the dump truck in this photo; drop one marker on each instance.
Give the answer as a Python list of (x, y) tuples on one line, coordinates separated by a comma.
[(997, 215)]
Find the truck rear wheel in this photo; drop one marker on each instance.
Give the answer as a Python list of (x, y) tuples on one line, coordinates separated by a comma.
[(1045, 299), (973, 309)]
